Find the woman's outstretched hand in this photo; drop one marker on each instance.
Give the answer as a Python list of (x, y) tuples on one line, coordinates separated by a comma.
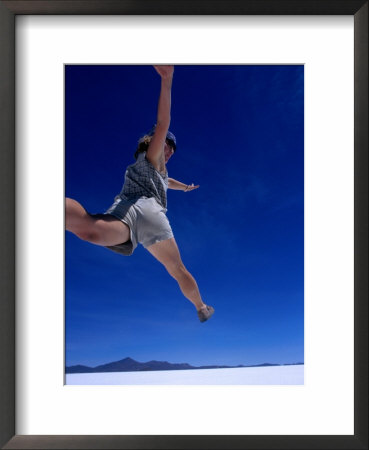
[(165, 71), (191, 187)]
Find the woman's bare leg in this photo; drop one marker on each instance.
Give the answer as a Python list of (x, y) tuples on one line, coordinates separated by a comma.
[(168, 254), (105, 231)]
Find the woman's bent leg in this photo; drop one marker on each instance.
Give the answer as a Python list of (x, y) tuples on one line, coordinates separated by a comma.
[(168, 254), (106, 230)]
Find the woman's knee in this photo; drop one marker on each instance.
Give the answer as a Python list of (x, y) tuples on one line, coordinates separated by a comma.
[(85, 229), (75, 215), (73, 207), (176, 269)]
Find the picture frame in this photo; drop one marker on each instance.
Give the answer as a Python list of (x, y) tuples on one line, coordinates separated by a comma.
[(8, 11)]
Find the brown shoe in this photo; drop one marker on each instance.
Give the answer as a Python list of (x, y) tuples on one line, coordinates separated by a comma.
[(205, 313)]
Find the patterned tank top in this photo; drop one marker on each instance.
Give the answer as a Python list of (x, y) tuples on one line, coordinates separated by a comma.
[(143, 180)]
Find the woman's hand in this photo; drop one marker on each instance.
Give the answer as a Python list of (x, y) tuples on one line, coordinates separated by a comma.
[(191, 187), (178, 186), (165, 71)]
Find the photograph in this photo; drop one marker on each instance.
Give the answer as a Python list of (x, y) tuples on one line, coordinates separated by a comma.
[(201, 279), (184, 224)]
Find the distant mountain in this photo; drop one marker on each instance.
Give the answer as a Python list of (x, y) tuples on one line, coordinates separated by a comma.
[(78, 369), (130, 365)]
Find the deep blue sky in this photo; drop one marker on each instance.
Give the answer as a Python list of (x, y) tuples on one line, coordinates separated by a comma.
[(240, 136)]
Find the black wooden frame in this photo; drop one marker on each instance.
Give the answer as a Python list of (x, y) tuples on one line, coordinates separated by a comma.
[(8, 11)]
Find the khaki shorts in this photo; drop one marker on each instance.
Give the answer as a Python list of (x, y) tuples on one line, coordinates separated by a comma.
[(147, 222)]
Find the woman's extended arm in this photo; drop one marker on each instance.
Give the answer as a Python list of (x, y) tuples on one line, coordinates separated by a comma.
[(155, 152), (178, 186)]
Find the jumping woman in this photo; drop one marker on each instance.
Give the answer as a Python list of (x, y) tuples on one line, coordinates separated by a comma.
[(138, 214)]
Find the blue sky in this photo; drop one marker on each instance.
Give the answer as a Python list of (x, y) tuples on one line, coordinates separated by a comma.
[(240, 136)]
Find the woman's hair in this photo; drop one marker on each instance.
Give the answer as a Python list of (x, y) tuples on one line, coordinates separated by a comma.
[(144, 142), (143, 145)]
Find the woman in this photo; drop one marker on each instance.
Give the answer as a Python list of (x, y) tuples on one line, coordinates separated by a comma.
[(138, 212)]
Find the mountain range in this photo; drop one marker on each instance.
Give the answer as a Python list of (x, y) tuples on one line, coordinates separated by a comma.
[(130, 365)]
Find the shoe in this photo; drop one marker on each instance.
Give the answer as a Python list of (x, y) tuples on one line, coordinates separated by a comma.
[(205, 313)]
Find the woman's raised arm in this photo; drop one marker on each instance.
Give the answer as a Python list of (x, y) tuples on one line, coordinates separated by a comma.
[(155, 152)]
